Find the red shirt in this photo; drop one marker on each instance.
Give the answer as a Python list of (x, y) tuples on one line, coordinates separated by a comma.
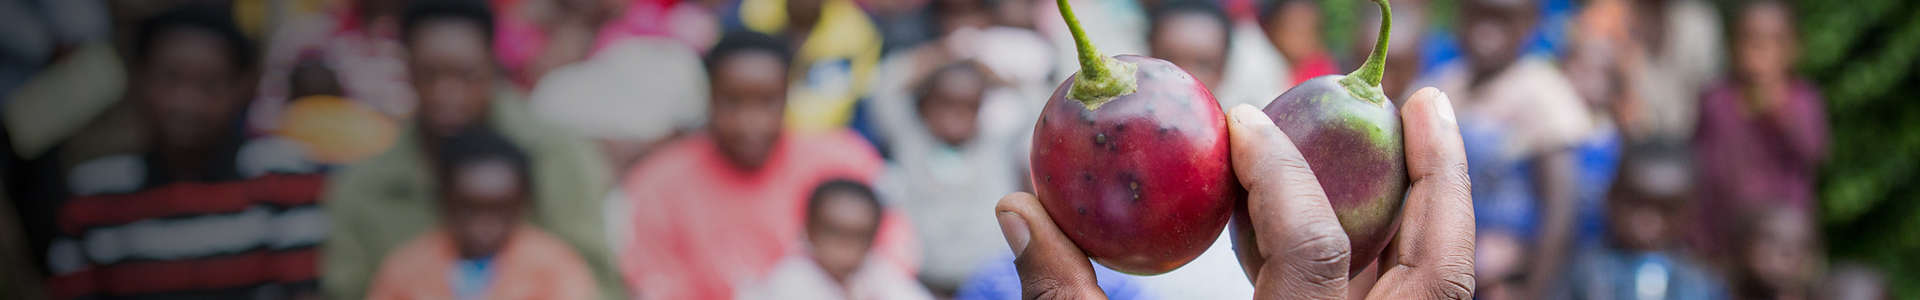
[(701, 226), (1313, 66)]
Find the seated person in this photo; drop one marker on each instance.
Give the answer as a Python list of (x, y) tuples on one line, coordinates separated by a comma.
[(381, 202), (945, 169), (1293, 26), (725, 203), (483, 247), (1761, 134), (1639, 259), (136, 223), (1775, 254), (835, 50), (843, 219)]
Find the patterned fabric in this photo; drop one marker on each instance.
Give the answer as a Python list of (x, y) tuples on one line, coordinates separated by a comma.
[(236, 238), (831, 68)]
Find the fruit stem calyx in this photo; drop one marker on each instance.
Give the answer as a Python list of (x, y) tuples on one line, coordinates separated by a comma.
[(1101, 78), (1376, 64)]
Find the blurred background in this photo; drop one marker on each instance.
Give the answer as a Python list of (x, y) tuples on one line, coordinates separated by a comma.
[(851, 149)]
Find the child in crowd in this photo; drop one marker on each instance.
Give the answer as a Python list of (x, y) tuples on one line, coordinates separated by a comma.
[(1193, 35), (377, 204), (1763, 132), (1500, 260), (1293, 26), (843, 220), (1639, 259), (131, 223), (725, 203), (483, 247), (1776, 256), (1526, 104), (945, 169)]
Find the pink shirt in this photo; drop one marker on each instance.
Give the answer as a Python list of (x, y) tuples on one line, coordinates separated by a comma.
[(701, 226)]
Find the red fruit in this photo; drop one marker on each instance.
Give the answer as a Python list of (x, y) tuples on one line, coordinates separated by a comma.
[(1350, 136), (1130, 160)]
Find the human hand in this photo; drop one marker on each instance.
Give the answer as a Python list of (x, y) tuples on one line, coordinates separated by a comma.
[(1296, 248)]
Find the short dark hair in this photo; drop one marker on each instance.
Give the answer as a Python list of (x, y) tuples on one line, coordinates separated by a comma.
[(817, 200), (472, 11), (207, 18), (740, 42), (924, 88), (1271, 9), (478, 144), (1204, 8)]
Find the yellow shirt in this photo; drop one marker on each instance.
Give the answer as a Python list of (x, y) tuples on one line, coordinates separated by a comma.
[(832, 67)]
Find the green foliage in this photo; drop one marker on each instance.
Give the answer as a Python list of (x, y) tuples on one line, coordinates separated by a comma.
[(1863, 56)]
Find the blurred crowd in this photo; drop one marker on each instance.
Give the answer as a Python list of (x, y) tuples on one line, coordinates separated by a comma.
[(839, 149)]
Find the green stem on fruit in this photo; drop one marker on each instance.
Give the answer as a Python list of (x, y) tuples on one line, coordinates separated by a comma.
[(1101, 78), (1376, 65)]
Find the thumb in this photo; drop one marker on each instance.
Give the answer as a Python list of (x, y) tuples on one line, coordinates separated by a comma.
[(1050, 265)]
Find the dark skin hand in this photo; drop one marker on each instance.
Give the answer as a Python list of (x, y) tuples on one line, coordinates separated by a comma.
[(1298, 250)]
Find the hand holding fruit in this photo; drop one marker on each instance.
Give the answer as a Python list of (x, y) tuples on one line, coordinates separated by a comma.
[(1298, 248)]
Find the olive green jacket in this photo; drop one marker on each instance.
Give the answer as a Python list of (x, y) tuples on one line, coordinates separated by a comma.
[(382, 202)]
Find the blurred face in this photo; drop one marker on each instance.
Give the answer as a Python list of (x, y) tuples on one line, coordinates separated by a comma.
[(452, 73), (958, 14), (749, 103), (842, 232), (189, 89), (1590, 67), (1014, 13), (1194, 42), (1493, 30), (1499, 259), (382, 17), (1638, 224), (1295, 29), (1765, 43), (482, 205), (952, 107), (1780, 255), (311, 77), (803, 13)]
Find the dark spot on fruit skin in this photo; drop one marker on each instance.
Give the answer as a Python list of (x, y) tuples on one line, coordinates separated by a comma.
[(1100, 139), (1120, 128), (1088, 177), (1082, 210), (1049, 179)]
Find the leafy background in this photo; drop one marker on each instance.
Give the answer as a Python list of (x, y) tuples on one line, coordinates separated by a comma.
[(1863, 54)]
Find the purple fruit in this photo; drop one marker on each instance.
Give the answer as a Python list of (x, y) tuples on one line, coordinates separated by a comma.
[(1130, 160), (1350, 134)]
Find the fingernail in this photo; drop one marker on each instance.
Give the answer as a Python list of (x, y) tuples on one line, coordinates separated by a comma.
[(1015, 229), (1248, 115), (1444, 108)]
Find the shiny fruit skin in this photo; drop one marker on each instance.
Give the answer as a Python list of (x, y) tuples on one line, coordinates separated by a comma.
[(1143, 183), (1354, 147)]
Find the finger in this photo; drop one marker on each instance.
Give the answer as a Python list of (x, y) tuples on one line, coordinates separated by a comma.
[(1050, 265), (1302, 252), (1432, 257)]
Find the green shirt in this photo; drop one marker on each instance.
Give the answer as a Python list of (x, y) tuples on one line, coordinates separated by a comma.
[(381, 202)]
